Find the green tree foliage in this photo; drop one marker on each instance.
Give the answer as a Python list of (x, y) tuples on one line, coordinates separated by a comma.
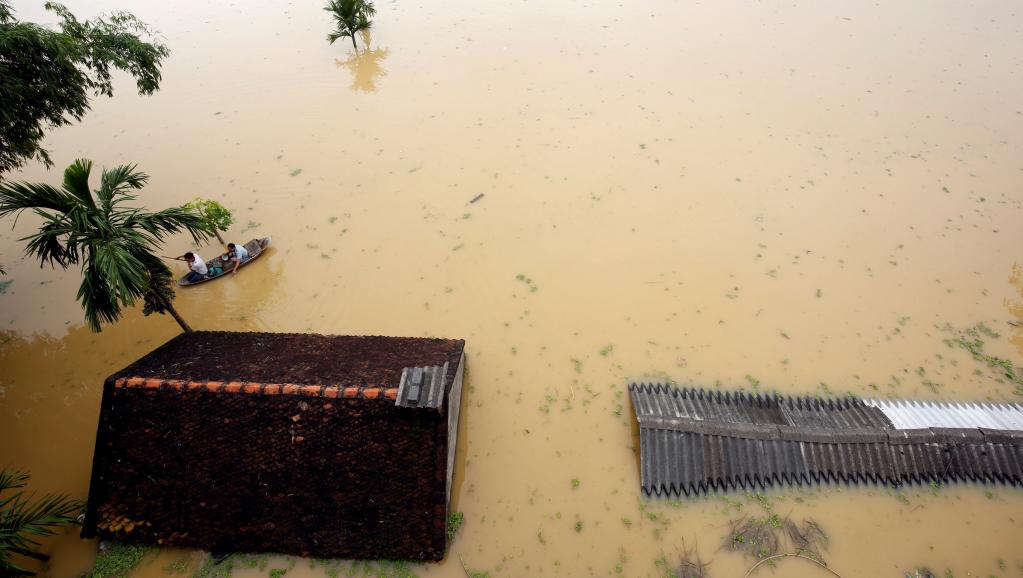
[(217, 216), (46, 76), (23, 521), (350, 16), (115, 245)]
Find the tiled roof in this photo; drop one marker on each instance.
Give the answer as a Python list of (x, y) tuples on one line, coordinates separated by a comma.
[(303, 359), (314, 454), (695, 441)]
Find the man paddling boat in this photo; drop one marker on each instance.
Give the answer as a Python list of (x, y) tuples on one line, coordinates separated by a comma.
[(236, 255)]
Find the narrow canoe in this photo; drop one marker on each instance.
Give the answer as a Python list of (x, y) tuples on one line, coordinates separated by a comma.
[(255, 248)]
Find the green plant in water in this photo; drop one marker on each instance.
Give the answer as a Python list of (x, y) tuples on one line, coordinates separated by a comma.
[(971, 341), (24, 521), (350, 17), (217, 216), (455, 521), (118, 560)]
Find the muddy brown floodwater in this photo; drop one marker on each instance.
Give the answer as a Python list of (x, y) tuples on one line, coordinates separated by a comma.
[(810, 198)]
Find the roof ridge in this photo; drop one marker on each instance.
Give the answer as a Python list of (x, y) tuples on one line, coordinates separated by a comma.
[(258, 388)]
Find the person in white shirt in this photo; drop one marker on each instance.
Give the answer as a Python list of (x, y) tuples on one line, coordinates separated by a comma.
[(236, 254), (198, 267)]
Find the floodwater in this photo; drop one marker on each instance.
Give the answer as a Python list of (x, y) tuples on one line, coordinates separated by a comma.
[(813, 197)]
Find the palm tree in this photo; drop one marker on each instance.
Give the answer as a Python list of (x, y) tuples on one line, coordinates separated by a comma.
[(352, 16), (114, 244), (22, 523)]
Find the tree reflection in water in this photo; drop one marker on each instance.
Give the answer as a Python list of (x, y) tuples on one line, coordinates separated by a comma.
[(365, 66)]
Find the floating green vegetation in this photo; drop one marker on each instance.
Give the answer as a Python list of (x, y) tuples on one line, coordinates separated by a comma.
[(607, 349), (577, 365), (364, 568), (118, 560), (972, 340), (575, 483), (331, 567), (4, 285), (178, 566), (455, 521), (689, 565), (296, 172), (210, 568), (529, 282), (764, 537)]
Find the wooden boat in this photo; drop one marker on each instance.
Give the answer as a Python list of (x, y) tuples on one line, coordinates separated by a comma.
[(255, 248)]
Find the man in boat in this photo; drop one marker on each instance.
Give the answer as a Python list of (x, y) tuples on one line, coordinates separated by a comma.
[(236, 255), (197, 265)]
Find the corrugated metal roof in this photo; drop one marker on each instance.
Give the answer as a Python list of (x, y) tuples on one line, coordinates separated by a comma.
[(694, 441), (909, 414), (422, 387)]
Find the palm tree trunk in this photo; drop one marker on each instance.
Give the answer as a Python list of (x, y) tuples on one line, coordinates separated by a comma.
[(174, 313), (219, 238), (353, 43)]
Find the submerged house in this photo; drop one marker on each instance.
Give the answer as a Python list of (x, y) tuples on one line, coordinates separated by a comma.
[(313, 445), (695, 441)]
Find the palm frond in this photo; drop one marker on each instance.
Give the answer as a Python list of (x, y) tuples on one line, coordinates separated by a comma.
[(23, 522), (16, 197), (97, 300), (170, 221), (334, 36), (10, 480), (125, 276), (49, 244), (76, 181), (119, 180)]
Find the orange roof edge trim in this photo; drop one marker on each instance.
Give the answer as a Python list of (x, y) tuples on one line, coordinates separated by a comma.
[(254, 388)]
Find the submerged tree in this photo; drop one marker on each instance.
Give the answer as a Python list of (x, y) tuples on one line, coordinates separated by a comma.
[(351, 16), (46, 75), (115, 245), (22, 523), (217, 216)]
